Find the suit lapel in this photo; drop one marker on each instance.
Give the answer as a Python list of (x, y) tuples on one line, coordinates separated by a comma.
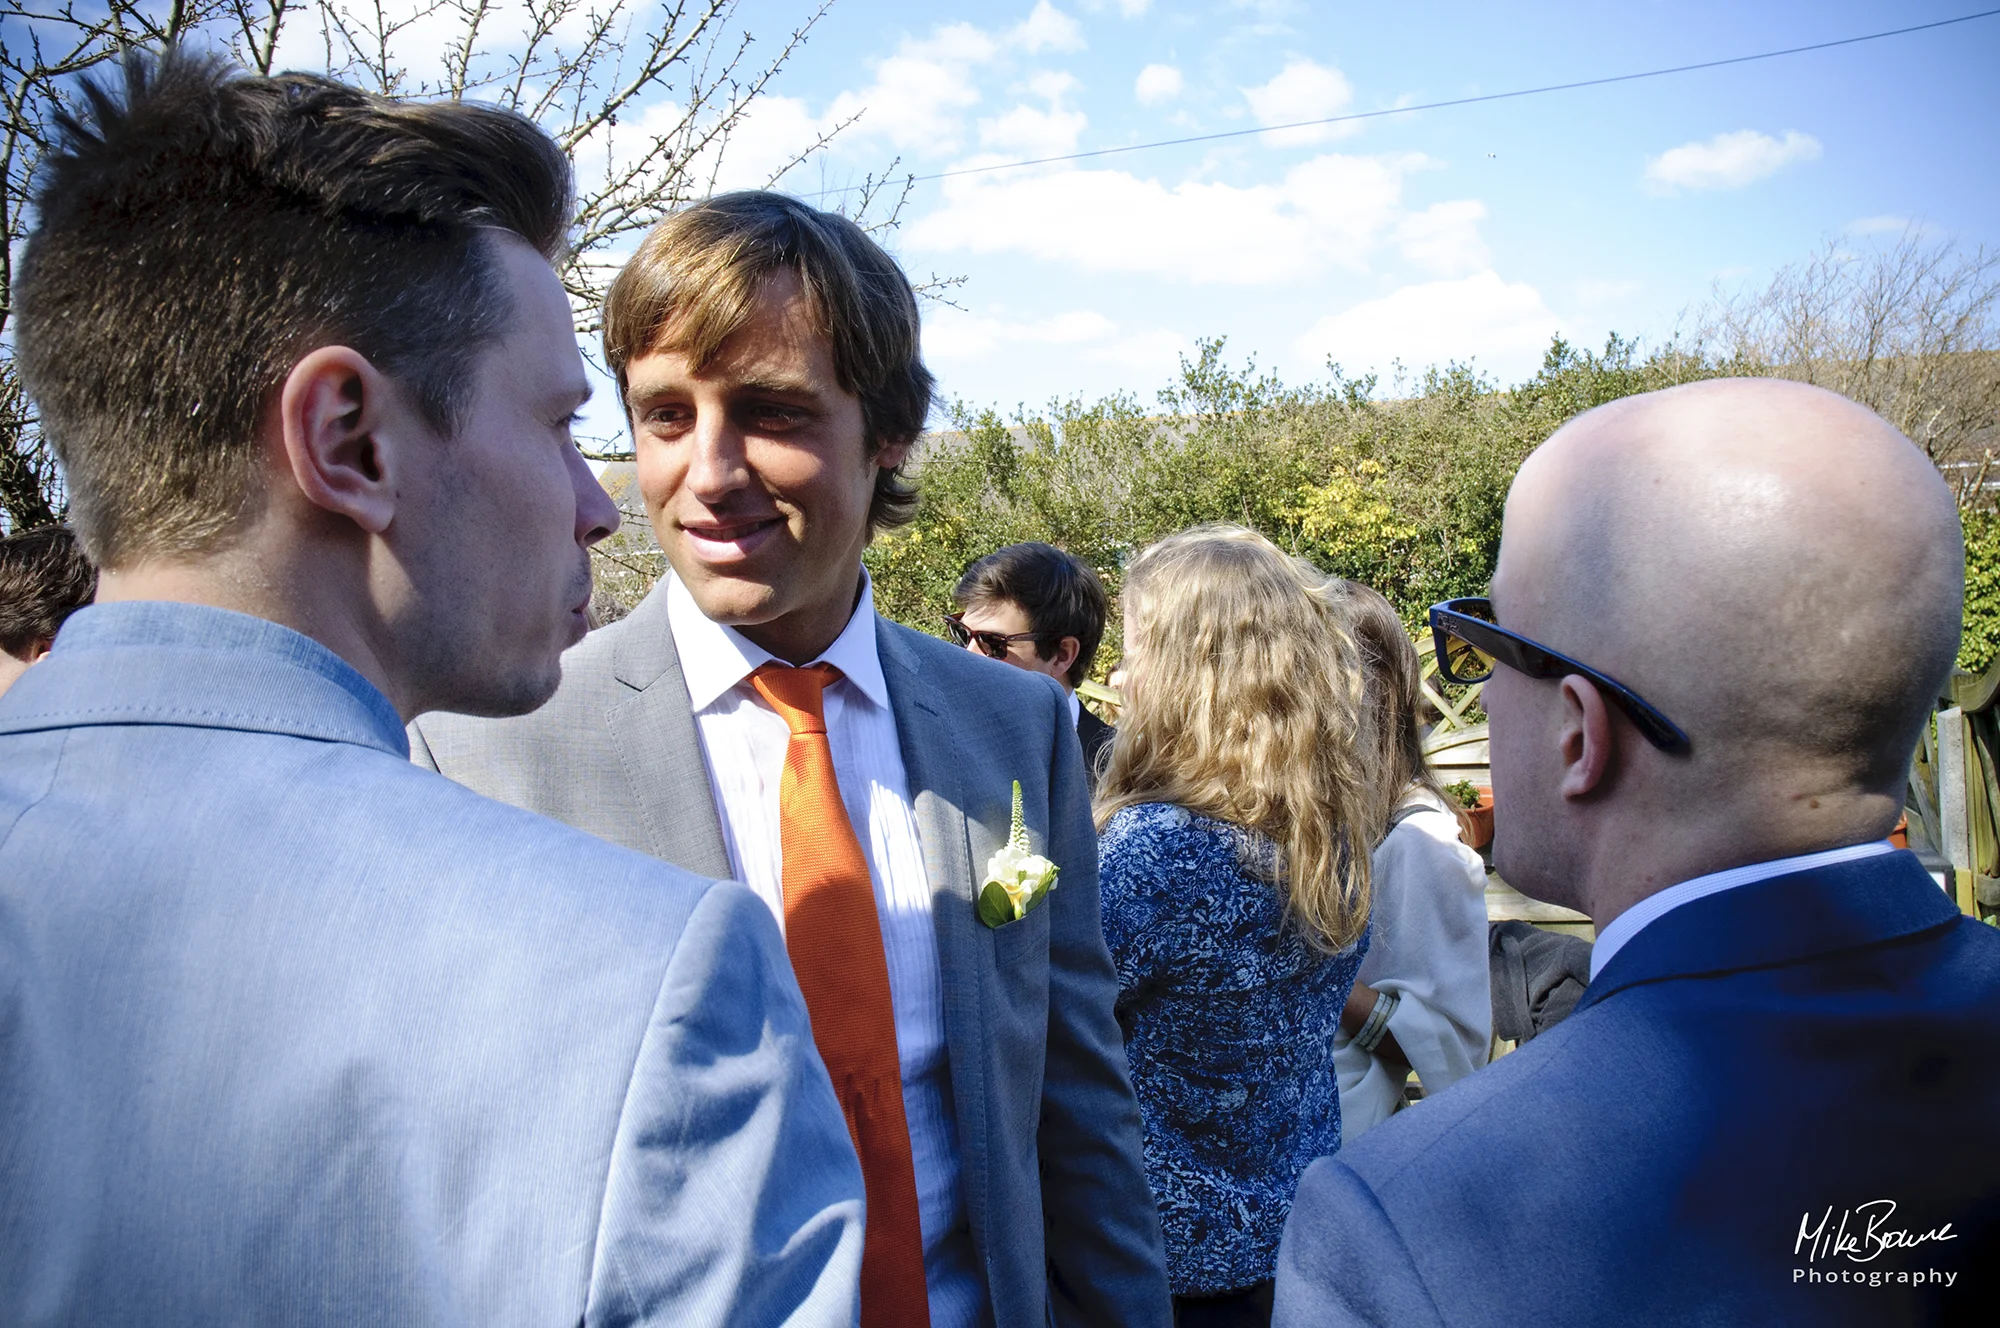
[(1780, 920), (653, 731), (932, 760)]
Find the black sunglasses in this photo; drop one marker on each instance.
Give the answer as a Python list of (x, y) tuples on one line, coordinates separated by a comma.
[(1469, 643), (993, 645)]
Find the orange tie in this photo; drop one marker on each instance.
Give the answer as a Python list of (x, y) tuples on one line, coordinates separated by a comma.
[(835, 941)]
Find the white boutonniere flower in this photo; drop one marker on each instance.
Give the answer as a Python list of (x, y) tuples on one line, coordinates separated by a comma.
[(1016, 880)]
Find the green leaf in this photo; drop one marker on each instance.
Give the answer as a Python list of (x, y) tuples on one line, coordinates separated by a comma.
[(995, 908), (1035, 899)]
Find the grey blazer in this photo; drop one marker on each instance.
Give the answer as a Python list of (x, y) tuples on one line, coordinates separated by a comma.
[(1049, 1134)]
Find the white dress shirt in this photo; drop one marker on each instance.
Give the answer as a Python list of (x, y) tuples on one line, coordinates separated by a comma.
[(1429, 947), (1656, 906), (743, 740)]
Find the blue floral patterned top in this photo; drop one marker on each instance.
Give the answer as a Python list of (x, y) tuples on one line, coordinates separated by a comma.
[(1229, 1018)]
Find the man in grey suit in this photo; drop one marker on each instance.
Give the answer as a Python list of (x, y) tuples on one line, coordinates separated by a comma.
[(291, 1031), (768, 356)]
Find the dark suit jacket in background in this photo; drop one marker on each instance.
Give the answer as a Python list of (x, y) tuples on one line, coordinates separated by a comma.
[(1744, 1064), (1049, 1133), (1096, 736)]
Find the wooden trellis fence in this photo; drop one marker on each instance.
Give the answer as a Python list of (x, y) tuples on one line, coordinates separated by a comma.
[(1459, 721), (1953, 802)]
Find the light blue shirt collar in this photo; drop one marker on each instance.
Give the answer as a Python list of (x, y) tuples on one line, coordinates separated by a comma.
[(1653, 907), (193, 665), (715, 658)]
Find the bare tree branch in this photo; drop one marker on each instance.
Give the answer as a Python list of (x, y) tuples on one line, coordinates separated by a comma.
[(1910, 330), (259, 34)]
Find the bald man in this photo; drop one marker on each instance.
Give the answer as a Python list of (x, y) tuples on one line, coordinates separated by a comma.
[(1719, 621)]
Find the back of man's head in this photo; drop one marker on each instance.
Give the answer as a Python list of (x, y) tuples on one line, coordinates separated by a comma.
[(200, 232), (44, 578), (1059, 593), (1774, 568)]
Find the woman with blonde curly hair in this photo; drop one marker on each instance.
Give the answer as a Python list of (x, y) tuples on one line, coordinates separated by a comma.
[(1235, 821)]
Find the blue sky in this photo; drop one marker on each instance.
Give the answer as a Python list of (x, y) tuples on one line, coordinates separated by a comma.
[(1471, 233)]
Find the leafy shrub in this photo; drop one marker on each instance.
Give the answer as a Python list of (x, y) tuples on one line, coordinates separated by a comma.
[(1464, 792), (1980, 645), (1404, 493)]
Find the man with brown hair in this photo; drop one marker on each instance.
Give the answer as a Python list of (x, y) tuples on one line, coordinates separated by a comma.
[(898, 804), (44, 578), (291, 1031), (1040, 609)]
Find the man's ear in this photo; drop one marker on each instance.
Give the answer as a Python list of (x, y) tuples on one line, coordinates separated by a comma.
[(1587, 735), (341, 423), (891, 455), (1066, 653)]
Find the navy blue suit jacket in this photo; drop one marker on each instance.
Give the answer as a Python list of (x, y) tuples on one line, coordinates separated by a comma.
[(1748, 1070)]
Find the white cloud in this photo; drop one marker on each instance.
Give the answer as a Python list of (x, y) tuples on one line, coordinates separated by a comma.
[(1270, 10), (1158, 83), (920, 95), (1026, 131), (1055, 84), (916, 98), (769, 138), (1329, 211), (1126, 8), (1302, 90), (1727, 161), (1146, 357), (1506, 325), (1347, 201), (1030, 131), (1878, 226), (1048, 29), (1108, 221), (955, 336), (1444, 238), (958, 43)]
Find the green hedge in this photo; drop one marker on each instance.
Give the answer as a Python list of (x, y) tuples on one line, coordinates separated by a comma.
[(1981, 642), (1403, 493)]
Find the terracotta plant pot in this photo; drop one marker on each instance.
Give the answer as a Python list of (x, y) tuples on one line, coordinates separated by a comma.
[(1900, 836), (1475, 824)]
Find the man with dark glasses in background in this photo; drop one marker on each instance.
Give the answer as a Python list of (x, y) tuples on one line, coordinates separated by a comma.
[(1039, 609), (1787, 1020)]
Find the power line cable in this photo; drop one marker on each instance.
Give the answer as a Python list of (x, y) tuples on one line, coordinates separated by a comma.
[(1429, 106)]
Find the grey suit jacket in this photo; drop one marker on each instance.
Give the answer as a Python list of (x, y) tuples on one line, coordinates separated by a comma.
[(292, 1032), (1061, 1215)]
